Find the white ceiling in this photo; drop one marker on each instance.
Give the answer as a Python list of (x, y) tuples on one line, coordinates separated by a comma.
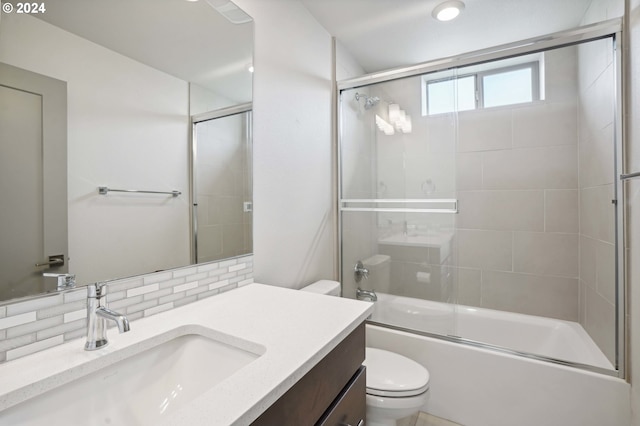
[(383, 34), (189, 40)]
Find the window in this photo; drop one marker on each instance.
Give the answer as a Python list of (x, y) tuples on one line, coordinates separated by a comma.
[(484, 89), (454, 94)]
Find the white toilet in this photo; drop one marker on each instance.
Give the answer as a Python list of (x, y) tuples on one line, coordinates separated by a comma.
[(397, 386)]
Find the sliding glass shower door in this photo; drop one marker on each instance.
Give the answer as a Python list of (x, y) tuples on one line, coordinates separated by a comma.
[(476, 201)]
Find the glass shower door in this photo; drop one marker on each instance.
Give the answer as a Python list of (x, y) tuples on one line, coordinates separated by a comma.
[(398, 199), (478, 201)]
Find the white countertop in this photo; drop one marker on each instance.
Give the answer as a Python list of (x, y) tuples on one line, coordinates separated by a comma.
[(297, 329)]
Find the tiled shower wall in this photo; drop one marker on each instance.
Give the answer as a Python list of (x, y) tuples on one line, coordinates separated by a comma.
[(33, 325), (514, 171), (224, 184), (517, 230)]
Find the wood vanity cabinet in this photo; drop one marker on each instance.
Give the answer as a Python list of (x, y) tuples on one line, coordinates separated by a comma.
[(333, 393)]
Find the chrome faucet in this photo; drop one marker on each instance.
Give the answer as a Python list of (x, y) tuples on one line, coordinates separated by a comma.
[(369, 295), (97, 316), (360, 272), (65, 281)]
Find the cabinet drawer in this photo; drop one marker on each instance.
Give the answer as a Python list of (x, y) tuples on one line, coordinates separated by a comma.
[(351, 405), (306, 402)]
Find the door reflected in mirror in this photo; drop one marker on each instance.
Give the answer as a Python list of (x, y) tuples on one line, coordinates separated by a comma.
[(132, 87)]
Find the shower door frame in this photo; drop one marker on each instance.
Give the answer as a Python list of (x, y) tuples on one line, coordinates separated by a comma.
[(193, 202), (608, 29)]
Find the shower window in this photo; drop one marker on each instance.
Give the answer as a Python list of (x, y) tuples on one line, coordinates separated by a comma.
[(514, 85), (458, 94), (486, 88)]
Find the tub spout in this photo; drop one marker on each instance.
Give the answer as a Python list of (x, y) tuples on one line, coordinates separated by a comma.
[(368, 295)]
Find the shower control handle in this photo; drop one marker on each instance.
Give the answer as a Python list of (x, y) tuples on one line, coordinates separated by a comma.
[(360, 272)]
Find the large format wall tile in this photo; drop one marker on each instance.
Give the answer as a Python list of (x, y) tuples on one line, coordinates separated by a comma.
[(501, 210), (600, 322), (597, 213), (597, 158), (484, 130), (469, 171), (546, 253), (555, 297), (485, 249), (545, 124), (561, 212), (554, 167)]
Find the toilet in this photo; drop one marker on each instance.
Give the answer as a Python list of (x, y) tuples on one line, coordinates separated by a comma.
[(397, 386)]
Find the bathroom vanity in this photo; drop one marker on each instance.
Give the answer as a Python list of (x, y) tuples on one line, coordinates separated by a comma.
[(258, 355), (332, 393)]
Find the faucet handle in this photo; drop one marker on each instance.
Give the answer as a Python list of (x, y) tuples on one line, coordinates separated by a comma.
[(360, 272), (97, 290), (65, 281)]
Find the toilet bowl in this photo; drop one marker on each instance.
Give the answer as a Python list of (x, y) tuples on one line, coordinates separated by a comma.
[(397, 386)]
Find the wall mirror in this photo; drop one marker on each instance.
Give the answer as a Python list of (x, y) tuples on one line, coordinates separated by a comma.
[(133, 73)]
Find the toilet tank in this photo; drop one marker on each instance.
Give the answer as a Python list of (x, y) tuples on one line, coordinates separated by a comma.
[(379, 267), (328, 287)]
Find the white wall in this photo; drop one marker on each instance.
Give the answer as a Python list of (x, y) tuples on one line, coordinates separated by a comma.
[(127, 128), (293, 229)]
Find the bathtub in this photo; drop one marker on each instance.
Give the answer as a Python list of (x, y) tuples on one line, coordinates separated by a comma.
[(545, 337), (475, 386)]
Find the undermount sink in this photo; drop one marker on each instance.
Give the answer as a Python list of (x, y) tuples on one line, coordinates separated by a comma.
[(138, 390)]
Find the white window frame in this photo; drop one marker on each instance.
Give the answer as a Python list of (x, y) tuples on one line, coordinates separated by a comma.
[(534, 66)]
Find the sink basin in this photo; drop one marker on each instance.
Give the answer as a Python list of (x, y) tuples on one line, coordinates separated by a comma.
[(138, 390)]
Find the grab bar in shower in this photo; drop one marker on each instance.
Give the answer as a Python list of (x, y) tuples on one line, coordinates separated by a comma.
[(453, 201), (629, 176), (103, 190)]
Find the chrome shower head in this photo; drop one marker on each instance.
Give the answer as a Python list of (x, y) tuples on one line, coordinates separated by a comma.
[(369, 101)]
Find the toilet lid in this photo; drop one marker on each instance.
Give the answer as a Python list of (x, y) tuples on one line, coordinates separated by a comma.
[(394, 375)]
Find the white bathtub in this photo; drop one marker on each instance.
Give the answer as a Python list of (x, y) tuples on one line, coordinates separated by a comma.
[(474, 386), (558, 339)]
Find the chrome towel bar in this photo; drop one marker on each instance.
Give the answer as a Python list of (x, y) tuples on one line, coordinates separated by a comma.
[(103, 190), (453, 209)]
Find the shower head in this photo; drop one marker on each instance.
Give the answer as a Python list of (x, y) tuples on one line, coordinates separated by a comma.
[(369, 101)]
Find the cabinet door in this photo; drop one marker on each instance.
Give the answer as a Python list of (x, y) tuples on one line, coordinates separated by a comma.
[(349, 408)]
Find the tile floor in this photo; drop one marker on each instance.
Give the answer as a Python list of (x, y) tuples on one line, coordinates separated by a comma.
[(424, 419)]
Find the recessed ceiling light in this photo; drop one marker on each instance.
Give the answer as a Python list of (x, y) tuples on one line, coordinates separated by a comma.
[(448, 10)]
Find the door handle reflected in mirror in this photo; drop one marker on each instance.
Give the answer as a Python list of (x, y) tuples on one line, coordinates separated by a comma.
[(55, 260)]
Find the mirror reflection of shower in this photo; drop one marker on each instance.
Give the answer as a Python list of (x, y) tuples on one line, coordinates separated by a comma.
[(389, 120), (369, 101)]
